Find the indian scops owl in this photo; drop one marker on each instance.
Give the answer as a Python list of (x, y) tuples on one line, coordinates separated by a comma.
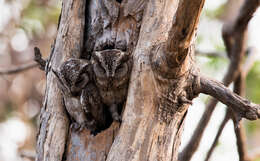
[(112, 69), (74, 77)]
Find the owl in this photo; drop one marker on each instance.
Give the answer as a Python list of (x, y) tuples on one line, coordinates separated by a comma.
[(74, 77), (112, 70)]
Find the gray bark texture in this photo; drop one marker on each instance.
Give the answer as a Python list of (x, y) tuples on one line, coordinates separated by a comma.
[(159, 35)]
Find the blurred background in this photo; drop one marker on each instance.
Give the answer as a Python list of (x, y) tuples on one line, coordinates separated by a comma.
[(25, 24)]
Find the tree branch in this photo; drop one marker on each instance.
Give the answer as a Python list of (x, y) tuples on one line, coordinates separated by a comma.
[(235, 35), (184, 26), (38, 58), (210, 54), (18, 69), (239, 88), (240, 105), (39, 62)]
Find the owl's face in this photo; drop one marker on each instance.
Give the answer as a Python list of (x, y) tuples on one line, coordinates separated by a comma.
[(110, 65), (74, 74)]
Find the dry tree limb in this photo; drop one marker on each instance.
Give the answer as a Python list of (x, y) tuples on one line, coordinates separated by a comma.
[(238, 126), (15, 70), (210, 54), (39, 62), (241, 106), (235, 44), (251, 51)]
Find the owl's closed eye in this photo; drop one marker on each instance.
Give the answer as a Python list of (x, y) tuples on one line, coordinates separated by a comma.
[(121, 70)]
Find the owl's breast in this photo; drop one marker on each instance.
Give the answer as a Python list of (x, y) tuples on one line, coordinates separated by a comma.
[(112, 96)]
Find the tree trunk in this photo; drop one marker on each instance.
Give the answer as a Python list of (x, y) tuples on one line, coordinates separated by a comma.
[(159, 35)]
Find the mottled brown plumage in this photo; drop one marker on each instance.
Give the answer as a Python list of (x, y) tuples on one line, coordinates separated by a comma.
[(80, 94), (111, 70)]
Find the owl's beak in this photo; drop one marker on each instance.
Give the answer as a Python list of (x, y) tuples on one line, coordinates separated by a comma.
[(110, 75)]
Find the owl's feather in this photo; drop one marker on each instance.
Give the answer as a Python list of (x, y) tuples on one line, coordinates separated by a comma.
[(111, 70)]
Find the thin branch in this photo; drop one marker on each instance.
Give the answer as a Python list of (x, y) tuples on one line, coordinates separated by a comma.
[(15, 70), (211, 54), (239, 129), (196, 137), (221, 127), (39, 62), (239, 88), (241, 141), (250, 60), (235, 36), (38, 58), (241, 106)]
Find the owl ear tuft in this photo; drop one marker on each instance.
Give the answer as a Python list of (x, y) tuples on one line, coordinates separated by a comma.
[(85, 64), (126, 57)]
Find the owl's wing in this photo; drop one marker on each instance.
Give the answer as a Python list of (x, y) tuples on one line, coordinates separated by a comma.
[(64, 88)]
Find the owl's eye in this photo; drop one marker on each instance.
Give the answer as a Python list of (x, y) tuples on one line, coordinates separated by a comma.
[(121, 70), (101, 69), (82, 80)]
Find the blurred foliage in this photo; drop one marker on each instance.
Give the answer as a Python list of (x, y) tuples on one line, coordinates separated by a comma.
[(253, 94), (253, 83), (28, 23), (215, 13), (37, 16), (251, 126)]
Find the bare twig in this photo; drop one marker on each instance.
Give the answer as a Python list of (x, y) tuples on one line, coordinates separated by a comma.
[(18, 69), (39, 62), (211, 54), (38, 58), (250, 60), (241, 106)]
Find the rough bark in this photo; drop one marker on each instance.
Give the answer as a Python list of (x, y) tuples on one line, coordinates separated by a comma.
[(54, 122), (160, 37)]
